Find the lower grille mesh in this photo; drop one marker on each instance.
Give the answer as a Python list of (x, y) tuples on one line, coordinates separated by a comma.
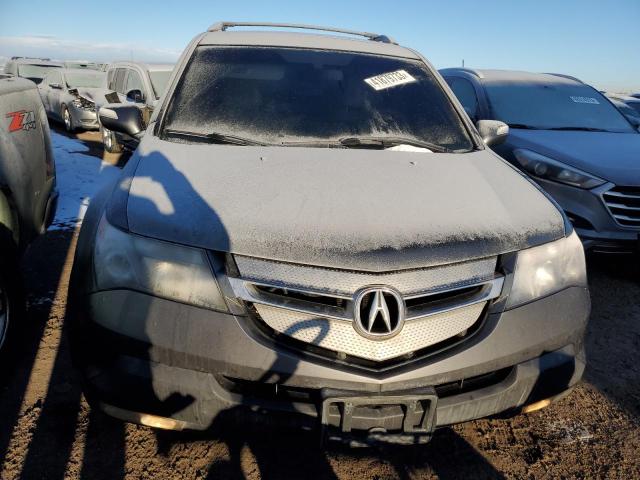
[(340, 336)]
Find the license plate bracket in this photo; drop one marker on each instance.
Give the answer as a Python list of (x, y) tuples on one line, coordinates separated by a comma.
[(419, 408)]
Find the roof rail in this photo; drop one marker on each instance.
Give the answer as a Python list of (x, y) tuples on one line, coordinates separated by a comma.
[(471, 71), (222, 26), (562, 75)]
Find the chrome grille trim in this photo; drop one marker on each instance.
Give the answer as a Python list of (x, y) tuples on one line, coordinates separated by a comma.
[(345, 283), (246, 291), (623, 204)]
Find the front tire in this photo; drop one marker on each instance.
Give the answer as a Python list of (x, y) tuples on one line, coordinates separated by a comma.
[(110, 141), (67, 120), (11, 303)]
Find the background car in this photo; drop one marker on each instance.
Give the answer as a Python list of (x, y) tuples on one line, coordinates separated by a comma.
[(632, 104), (82, 64), (134, 82), (571, 140), (69, 96), (32, 68), (628, 111), (28, 196)]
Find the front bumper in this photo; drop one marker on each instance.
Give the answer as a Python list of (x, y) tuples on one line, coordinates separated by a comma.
[(83, 118), (593, 222), (139, 353)]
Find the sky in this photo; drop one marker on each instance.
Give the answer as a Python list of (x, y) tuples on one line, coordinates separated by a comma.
[(596, 41)]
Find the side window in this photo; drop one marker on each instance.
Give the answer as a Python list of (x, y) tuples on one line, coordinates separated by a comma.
[(120, 78), (111, 79), (54, 77), (134, 82), (465, 92)]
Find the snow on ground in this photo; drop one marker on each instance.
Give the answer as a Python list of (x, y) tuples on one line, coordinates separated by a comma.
[(79, 177)]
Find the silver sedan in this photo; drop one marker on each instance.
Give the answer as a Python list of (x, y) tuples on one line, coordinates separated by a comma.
[(69, 95)]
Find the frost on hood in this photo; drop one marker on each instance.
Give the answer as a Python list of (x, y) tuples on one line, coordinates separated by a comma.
[(360, 209)]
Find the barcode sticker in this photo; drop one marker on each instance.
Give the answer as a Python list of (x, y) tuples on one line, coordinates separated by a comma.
[(585, 100), (388, 80)]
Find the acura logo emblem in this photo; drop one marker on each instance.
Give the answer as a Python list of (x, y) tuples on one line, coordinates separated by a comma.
[(379, 312)]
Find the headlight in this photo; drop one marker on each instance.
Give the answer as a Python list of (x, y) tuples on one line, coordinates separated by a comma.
[(548, 268), (547, 168), (125, 261)]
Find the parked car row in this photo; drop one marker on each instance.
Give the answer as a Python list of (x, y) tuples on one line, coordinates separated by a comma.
[(321, 227)]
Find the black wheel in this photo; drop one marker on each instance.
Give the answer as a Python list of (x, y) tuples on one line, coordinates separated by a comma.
[(66, 119), (110, 141), (11, 302)]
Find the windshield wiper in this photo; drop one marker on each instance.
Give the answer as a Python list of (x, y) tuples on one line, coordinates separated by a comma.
[(523, 126), (213, 137), (580, 129), (386, 142)]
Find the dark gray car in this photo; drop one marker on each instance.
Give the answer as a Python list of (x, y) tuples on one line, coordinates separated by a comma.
[(27, 185), (69, 96), (312, 227), (571, 140)]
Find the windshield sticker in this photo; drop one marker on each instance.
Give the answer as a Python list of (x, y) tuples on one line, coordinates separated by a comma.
[(388, 80), (591, 100)]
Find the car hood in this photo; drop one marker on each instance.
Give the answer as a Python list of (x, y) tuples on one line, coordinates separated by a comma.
[(90, 94), (611, 156), (341, 208)]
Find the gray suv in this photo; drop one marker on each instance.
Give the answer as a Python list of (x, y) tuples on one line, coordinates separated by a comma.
[(312, 226)]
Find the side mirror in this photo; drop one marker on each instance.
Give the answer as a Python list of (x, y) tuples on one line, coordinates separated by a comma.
[(135, 96), (57, 86), (122, 119), (492, 132)]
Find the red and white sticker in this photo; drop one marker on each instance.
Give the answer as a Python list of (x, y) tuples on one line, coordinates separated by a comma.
[(22, 120), (389, 80)]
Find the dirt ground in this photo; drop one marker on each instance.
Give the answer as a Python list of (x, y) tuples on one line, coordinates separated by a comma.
[(47, 430)]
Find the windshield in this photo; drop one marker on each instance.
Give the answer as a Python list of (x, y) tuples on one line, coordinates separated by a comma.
[(34, 72), (75, 80), (554, 106), (159, 81), (277, 95)]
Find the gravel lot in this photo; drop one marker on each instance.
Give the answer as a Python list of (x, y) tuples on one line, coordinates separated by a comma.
[(47, 430)]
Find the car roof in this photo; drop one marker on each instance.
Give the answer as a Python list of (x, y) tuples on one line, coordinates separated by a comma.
[(152, 67), (81, 71), (258, 38), (514, 76), (36, 61)]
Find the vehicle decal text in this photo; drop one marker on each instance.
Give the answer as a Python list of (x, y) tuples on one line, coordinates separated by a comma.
[(585, 100), (22, 120)]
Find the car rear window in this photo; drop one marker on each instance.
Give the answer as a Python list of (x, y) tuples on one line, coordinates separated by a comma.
[(280, 95)]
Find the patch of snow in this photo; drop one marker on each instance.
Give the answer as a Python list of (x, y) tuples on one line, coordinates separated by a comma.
[(79, 177), (408, 148)]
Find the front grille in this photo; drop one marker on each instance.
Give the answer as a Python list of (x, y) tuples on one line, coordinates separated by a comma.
[(314, 308), (340, 336), (624, 205)]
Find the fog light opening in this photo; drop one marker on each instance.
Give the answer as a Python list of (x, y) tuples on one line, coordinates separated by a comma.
[(537, 406), (146, 419)]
